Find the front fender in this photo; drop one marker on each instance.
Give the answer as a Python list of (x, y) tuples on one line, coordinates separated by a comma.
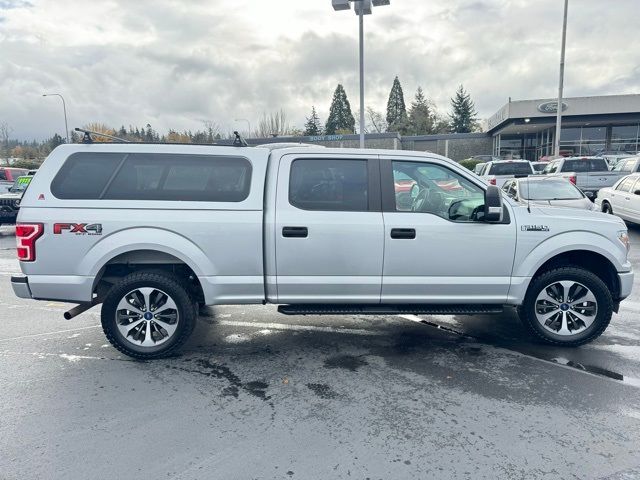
[(158, 239), (531, 255)]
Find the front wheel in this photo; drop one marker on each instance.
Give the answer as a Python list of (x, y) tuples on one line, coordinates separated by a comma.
[(567, 306), (606, 208), (148, 315)]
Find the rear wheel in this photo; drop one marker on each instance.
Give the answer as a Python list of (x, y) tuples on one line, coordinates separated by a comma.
[(148, 315), (606, 208), (567, 306)]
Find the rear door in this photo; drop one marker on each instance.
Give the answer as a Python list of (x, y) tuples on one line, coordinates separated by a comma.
[(328, 229), (437, 250)]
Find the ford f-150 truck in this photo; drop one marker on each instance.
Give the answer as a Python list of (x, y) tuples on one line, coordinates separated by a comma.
[(154, 231), (589, 174)]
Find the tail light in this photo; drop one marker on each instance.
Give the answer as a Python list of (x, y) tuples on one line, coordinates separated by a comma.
[(26, 236), (573, 179), (492, 181)]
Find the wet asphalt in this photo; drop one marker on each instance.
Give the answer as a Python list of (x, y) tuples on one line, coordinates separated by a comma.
[(258, 395)]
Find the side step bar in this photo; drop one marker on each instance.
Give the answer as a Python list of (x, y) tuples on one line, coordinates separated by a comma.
[(379, 309)]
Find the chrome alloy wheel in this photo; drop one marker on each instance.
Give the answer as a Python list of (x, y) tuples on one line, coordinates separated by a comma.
[(147, 317), (566, 307)]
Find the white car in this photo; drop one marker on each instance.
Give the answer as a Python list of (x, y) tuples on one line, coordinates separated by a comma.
[(547, 191), (622, 199)]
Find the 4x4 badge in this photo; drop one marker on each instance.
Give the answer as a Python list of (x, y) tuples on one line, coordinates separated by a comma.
[(534, 228)]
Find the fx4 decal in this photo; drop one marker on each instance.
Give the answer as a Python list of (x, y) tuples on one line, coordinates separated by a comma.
[(78, 228)]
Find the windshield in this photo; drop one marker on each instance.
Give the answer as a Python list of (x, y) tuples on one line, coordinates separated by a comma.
[(549, 190), (20, 185), (510, 168)]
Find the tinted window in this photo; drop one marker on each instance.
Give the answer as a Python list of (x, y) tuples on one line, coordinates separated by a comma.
[(3, 174), (169, 177), (511, 168), (121, 176), (586, 165), (84, 175), (549, 190), (317, 184)]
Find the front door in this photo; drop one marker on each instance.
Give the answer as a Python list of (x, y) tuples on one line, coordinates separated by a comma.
[(328, 230), (437, 248)]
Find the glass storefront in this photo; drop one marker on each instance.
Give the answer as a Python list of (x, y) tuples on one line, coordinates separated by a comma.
[(586, 140)]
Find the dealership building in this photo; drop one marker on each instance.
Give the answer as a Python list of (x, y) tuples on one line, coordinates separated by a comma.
[(526, 128), (520, 129)]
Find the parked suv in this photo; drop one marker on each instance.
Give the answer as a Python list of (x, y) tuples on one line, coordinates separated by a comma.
[(10, 201), (152, 231)]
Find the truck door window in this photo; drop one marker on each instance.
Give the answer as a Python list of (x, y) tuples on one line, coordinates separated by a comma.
[(430, 188), (329, 185)]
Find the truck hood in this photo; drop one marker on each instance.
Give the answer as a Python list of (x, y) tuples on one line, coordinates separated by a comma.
[(584, 217)]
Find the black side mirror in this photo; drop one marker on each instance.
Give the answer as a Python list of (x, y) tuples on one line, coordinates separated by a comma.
[(493, 209), (637, 192)]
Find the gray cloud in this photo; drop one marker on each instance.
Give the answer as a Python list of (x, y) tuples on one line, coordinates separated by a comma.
[(175, 64)]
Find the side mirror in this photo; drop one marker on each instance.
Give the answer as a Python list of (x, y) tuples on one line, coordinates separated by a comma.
[(493, 209), (637, 192)]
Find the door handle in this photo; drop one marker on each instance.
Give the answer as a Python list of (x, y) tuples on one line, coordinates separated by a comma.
[(408, 233), (295, 232)]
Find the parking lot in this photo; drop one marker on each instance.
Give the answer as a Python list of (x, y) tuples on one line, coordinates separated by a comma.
[(255, 394)]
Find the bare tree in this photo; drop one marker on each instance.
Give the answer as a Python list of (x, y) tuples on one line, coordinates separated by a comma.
[(376, 122), (5, 131), (213, 129), (273, 125)]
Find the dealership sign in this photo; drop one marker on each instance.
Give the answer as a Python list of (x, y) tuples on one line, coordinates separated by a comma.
[(551, 107)]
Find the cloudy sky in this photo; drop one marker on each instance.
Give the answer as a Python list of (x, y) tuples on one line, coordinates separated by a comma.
[(179, 63)]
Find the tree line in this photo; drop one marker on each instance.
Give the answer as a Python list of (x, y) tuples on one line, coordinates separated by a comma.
[(422, 117)]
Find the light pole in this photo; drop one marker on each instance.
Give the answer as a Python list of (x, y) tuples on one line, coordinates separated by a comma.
[(561, 81), (64, 108), (248, 124), (362, 8)]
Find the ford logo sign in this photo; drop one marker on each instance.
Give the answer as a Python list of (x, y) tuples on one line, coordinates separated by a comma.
[(551, 107)]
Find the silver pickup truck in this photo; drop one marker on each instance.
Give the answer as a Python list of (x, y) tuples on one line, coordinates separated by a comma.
[(589, 174), (152, 231)]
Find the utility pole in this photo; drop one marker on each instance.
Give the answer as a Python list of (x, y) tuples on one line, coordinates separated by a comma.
[(561, 81)]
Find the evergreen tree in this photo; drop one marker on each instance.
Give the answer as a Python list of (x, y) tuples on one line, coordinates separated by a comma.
[(396, 109), (340, 116), (421, 118), (313, 125), (463, 113)]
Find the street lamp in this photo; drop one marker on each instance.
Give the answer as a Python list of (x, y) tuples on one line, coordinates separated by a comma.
[(64, 108), (248, 124), (561, 81), (362, 7)]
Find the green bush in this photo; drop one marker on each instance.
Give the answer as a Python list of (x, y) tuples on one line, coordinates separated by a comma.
[(28, 164), (470, 163)]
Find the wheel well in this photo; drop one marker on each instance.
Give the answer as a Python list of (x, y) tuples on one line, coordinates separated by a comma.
[(591, 261), (150, 260)]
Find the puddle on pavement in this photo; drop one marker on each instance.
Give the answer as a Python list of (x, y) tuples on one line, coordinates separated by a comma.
[(603, 372)]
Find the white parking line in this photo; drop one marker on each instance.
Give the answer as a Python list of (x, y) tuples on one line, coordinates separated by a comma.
[(48, 333)]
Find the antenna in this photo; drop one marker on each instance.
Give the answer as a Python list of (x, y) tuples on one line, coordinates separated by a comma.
[(87, 136), (239, 141)]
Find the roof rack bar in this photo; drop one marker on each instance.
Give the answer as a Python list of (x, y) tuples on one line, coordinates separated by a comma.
[(87, 136), (239, 141)]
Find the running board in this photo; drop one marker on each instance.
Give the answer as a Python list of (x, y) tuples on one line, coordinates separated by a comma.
[(378, 309)]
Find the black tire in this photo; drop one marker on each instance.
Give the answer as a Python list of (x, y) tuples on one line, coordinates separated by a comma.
[(606, 208), (167, 283), (527, 311)]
